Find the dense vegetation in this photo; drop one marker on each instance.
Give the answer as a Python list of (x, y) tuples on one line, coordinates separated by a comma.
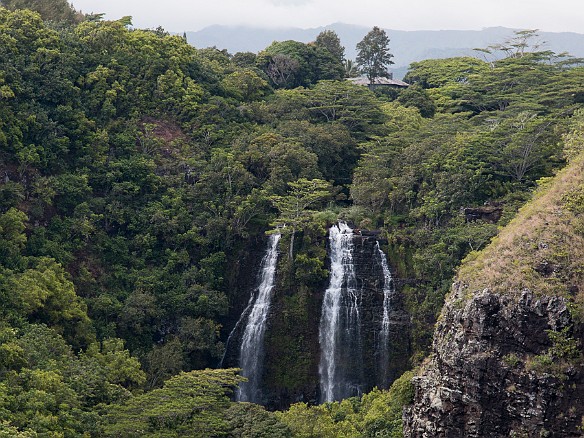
[(136, 169)]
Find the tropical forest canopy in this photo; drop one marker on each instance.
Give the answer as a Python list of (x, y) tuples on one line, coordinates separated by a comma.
[(136, 169)]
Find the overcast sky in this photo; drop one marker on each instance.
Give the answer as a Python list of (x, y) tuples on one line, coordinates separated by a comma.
[(187, 15)]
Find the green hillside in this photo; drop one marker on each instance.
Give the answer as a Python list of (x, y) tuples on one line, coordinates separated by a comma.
[(140, 176), (542, 248)]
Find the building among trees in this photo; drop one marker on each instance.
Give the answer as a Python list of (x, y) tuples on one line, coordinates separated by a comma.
[(379, 82)]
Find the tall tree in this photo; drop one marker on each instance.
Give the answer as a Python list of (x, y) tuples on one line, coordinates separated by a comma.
[(329, 40), (373, 54), (293, 207), (50, 10)]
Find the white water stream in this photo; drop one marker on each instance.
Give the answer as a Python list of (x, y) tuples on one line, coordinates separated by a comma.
[(340, 318), (252, 343), (388, 289)]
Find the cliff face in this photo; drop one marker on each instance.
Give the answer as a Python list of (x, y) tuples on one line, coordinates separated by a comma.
[(483, 378), (292, 350), (369, 274), (242, 279), (507, 356), (292, 340)]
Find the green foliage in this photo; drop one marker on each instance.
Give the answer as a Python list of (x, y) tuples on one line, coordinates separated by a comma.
[(345, 103), (294, 206), (189, 404), (511, 359), (309, 269), (57, 11), (419, 98), (245, 85), (45, 294), (423, 174), (247, 420), (12, 237), (329, 40), (376, 414), (290, 64), (373, 54), (47, 390), (564, 347), (440, 73), (384, 409), (137, 168), (574, 139), (541, 363)]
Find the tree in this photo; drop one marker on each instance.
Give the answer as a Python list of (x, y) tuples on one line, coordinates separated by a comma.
[(248, 420), (245, 85), (329, 40), (291, 64), (418, 97), (45, 294), (436, 73), (346, 103), (244, 59), (281, 69), (189, 404), (522, 42), (373, 54), (351, 70), (50, 10), (293, 207), (12, 237)]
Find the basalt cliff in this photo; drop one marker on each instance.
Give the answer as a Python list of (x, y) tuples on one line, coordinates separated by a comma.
[(507, 353)]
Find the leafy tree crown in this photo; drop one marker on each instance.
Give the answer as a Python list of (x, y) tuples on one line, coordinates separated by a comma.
[(373, 55)]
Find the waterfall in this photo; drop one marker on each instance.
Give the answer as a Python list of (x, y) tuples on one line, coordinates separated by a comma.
[(252, 343), (339, 331), (383, 348)]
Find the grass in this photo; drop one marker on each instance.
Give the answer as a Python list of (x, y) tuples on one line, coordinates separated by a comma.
[(542, 249)]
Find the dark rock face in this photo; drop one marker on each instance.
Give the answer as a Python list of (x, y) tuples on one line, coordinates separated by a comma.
[(292, 350), (476, 383), (369, 274), (489, 214), (243, 280)]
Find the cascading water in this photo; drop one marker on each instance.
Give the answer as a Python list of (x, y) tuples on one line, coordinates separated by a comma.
[(252, 343), (339, 331), (383, 347)]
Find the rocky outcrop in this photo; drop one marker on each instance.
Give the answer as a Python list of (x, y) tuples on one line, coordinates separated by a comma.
[(481, 380), (490, 214)]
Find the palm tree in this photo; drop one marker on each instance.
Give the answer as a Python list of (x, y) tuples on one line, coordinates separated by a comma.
[(351, 70)]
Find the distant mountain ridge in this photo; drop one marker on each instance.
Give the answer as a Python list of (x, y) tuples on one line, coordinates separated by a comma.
[(406, 46)]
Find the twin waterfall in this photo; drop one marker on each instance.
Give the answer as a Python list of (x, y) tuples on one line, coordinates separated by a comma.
[(354, 326), (341, 332)]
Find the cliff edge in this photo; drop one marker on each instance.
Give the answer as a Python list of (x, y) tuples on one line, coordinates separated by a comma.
[(507, 354)]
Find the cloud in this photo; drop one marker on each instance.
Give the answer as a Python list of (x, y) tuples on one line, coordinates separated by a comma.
[(178, 15), (291, 2)]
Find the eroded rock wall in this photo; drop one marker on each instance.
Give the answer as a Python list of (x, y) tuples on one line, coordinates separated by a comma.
[(480, 380), (292, 351)]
